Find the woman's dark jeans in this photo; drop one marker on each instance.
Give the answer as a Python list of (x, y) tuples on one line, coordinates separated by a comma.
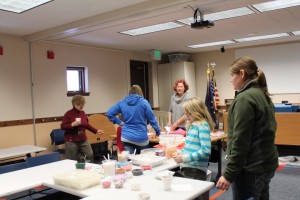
[(252, 186)]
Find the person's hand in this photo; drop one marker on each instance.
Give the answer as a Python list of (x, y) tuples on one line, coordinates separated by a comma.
[(223, 183), (173, 127), (151, 135), (100, 132), (76, 123), (177, 157)]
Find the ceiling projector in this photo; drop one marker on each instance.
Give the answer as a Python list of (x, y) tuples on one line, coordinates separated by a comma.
[(202, 24)]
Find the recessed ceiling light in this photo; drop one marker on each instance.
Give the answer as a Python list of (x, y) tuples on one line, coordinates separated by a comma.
[(274, 5), (211, 44), (229, 14), (263, 37), (221, 15), (153, 28), (296, 32), (18, 6)]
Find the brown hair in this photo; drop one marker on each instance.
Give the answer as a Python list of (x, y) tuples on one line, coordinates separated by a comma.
[(135, 89), (186, 86), (78, 100), (251, 73), (197, 108)]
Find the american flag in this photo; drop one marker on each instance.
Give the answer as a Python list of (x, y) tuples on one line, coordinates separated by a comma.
[(212, 96)]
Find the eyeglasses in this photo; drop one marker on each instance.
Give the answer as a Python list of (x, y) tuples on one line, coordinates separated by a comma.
[(79, 105)]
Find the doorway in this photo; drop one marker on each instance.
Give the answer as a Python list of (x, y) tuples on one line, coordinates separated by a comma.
[(139, 76)]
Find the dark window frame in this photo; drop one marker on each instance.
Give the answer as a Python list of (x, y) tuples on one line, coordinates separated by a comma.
[(81, 73)]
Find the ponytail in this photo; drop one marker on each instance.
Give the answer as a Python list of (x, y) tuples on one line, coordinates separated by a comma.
[(262, 82), (251, 73)]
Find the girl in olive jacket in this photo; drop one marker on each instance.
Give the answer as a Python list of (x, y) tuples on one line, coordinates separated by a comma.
[(251, 150)]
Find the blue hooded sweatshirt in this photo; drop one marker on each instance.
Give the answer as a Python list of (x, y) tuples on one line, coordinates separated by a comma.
[(136, 112)]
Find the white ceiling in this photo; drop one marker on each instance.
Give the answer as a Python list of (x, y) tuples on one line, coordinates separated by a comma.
[(98, 23)]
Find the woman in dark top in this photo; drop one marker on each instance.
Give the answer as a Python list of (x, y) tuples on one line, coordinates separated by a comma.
[(75, 122), (252, 154)]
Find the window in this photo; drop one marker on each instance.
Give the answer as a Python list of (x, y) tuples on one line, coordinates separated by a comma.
[(77, 81)]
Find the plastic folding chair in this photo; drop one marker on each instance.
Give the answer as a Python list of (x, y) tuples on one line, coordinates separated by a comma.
[(13, 167), (57, 139), (43, 159)]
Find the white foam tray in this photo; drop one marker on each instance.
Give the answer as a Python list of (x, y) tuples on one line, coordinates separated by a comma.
[(146, 159)]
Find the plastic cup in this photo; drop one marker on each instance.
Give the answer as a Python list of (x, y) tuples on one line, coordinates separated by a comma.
[(78, 119), (80, 165), (135, 187), (143, 196), (170, 150), (109, 167), (123, 156), (167, 182), (106, 184)]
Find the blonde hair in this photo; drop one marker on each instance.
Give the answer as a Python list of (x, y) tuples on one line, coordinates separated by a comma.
[(78, 100), (135, 89), (197, 108)]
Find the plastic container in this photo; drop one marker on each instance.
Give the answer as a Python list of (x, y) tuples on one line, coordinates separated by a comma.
[(170, 150), (146, 159), (179, 57), (77, 179), (120, 171), (208, 175), (171, 139), (106, 184), (146, 167), (79, 165), (153, 151), (137, 172), (109, 167), (123, 156)]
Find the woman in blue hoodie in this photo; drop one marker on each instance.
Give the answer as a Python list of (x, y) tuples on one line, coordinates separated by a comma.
[(136, 112)]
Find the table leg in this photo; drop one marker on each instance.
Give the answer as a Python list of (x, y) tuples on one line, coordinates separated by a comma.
[(205, 196), (28, 155), (219, 144)]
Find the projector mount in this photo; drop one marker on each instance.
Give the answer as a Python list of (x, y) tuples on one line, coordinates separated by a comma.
[(201, 23)]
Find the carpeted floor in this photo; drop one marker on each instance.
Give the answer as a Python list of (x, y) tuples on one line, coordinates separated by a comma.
[(283, 185), (58, 196)]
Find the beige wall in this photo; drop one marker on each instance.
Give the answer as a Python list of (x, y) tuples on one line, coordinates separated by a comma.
[(109, 81), (108, 73), (222, 76), (16, 136), (24, 135), (292, 98), (15, 89)]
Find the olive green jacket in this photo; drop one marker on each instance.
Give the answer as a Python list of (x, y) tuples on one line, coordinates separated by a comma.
[(251, 134)]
